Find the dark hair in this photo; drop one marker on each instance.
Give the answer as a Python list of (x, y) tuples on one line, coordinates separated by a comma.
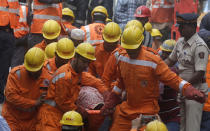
[(71, 128)]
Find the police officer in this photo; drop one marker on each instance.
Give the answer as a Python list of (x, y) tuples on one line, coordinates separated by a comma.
[(191, 53)]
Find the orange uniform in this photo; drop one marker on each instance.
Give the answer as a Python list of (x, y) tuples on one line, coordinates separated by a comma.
[(42, 45), (140, 78), (21, 94), (93, 32), (43, 12), (207, 104), (96, 68), (66, 27), (62, 96), (50, 65)]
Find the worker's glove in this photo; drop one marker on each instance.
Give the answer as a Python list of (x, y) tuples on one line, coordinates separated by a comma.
[(110, 102), (193, 94), (82, 111)]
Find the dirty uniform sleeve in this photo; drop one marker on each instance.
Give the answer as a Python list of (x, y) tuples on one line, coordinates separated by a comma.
[(173, 55), (168, 77), (66, 94), (13, 96), (90, 80), (201, 58), (92, 69), (110, 71)]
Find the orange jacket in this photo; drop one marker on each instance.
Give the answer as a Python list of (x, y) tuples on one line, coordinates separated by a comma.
[(207, 104), (140, 78), (9, 13), (66, 27), (42, 45), (65, 87), (93, 32), (22, 92), (43, 12), (22, 28), (50, 65), (96, 68), (162, 11)]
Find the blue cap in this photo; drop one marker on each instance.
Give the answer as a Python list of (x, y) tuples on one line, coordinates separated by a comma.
[(186, 18)]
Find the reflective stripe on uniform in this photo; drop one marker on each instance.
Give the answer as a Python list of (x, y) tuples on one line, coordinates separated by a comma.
[(4, 9), (15, 11), (163, 6), (87, 28), (46, 17), (137, 62), (21, 29), (41, 7), (118, 90), (24, 19), (12, 1), (48, 67), (18, 73), (181, 85), (56, 78), (50, 102)]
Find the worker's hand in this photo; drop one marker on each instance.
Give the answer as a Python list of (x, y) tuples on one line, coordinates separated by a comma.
[(193, 94), (41, 99), (110, 102), (136, 123)]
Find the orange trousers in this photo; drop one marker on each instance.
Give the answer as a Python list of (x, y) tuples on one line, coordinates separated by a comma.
[(48, 119)]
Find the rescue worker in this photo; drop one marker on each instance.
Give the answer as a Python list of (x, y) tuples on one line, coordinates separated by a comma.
[(50, 50), (169, 107), (138, 74), (21, 33), (93, 32), (64, 51), (143, 14), (23, 91), (40, 11), (204, 34), (111, 37), (79, 7), (64, 89), (67, 21), (8, 21), (156, 36), (77, 36), (192, 54), (71, 121), (50, 31)]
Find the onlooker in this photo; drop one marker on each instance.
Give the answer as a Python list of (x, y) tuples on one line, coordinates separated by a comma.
[(125, 10)]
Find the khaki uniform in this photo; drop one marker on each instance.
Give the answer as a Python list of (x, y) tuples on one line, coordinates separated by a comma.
[(192, 56)]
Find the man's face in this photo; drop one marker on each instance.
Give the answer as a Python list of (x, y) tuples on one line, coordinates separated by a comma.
[(133, 53), (82, 63), (60, 61), (143, 20), (186, 30), (35, 75), (109, 47)]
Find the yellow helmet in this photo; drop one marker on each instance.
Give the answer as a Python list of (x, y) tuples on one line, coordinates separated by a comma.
[(51, 29), (112, 32), (134, 23), (34, 59), (65, 48), (99, 9), (168, 45), (50, 50), (148, 27), (72, 118), (156, 32), (156, 126), (86, 50), (132, 38), (69, 12), (108, 20)]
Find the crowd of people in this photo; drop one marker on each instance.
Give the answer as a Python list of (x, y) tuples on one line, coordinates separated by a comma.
[(114, 70)]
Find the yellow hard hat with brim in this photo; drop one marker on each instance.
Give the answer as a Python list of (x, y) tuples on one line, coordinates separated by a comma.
[(34, 59), (65, 48), (51, 29), (86, 50), (72, 118), (112, 32), (132, 38), (168, 45)]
